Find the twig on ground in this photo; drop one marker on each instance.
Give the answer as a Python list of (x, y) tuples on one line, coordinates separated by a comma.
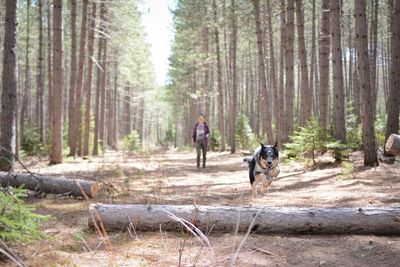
[(11, 255), (131, 226), (195, 231), (244, 239), (86, 244), (263, 251)]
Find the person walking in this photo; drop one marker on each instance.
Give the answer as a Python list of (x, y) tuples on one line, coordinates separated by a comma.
[(200, 136)]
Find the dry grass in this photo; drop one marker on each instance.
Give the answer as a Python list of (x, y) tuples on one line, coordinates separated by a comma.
[(171, 177)]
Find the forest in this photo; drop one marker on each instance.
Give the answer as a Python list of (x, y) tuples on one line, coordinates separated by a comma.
[(84, 120)]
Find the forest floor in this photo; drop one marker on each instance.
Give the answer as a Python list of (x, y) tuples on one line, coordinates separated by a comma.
[(171, 177)]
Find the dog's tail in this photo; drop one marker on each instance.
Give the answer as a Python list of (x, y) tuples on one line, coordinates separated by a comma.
[(247, 160)]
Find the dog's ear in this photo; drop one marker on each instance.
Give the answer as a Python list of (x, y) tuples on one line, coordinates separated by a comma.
[(262, 145), (276, 143)]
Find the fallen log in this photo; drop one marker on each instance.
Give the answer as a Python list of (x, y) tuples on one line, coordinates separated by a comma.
[(48, 184), (382, 221), (393, 145)]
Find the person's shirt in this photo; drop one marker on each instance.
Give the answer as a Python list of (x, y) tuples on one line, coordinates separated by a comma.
[(200, 132)]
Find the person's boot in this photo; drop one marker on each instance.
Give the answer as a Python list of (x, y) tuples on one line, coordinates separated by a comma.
[(204, 163)]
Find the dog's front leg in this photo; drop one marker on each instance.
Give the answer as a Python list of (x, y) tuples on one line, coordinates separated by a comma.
[(257, 180), (266, 183)]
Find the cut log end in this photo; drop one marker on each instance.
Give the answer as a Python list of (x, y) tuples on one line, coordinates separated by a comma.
[(94, 188), (393, 145)]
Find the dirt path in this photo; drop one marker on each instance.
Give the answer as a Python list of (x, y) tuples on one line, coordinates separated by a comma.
[(170, 177)]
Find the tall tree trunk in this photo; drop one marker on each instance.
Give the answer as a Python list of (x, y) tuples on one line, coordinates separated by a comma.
[(88, 81), (370, 157), (392, 123), (40, 84), (77, 118), (49, 68), (9, 92), (282, 74), (306, 93), (99, 74), (234, 78), (221, 125), (56, 152), (127, 111), (339, 126), (273, 73), (74, 70), (103, 97), (265, 96), (324, 66), (313, 60), (207, 85), (114, 108), (373, 49), (289, 67), (25, 108)]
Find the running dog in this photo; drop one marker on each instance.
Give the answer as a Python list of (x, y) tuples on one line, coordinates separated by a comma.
[(263, 167)]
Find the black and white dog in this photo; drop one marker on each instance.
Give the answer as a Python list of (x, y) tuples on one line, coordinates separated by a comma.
[(263, 167)]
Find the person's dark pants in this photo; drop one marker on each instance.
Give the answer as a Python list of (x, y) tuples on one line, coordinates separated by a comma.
[(201, 146)]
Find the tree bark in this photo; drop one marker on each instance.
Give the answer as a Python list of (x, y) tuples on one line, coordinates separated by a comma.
[(265, 94), (40, 82), (306, 94), (313, 74), (25, 107), (88, 81), (102, 117), (373, 49), (56, 151), (49, 67), (339, 126), (221, 125), (77, 117), (9, 92), (273, 73), (281, 105), (289, 70), (367, 116), (48, 184), (99, 73), (279, 220), (234, 100), (392, 123), (74, 71), (127, 111), (324, 66)]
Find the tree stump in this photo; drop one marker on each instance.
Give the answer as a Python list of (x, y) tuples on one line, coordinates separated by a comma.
[(393, 145)]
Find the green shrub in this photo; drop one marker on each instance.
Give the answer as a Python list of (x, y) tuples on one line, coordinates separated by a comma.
[(340, 150), (215, 139), (31, 144), (132, 141), (17, 220), (380, 128), (306, 141), (353, 129), (169, 135), (244, 134)]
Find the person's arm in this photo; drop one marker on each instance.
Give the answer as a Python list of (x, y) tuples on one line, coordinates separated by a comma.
[(194, 134)]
